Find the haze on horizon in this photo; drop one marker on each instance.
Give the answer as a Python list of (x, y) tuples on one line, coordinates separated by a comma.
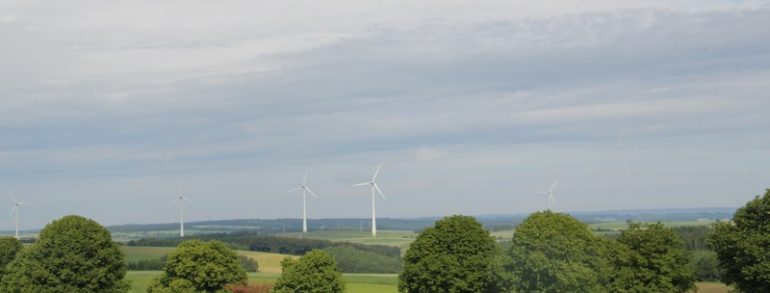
[(472, 107)]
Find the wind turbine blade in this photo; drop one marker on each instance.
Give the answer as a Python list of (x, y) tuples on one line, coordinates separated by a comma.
[(552, 187), (378, 190), (294, 189), (376, 172), (187, 199), (173, 202), (362, 184), (304, 181), (311, 192), (542, 192), (12, 210)]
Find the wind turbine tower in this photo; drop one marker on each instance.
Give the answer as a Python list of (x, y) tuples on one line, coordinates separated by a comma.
[(549, 195), (305, 190), (181, 199), (15, 210), (373, 184)]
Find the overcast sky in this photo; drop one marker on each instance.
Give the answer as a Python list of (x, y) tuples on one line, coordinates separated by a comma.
[(107, 107)]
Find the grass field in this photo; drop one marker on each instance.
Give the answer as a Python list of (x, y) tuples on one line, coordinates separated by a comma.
[(395, 238), (268, 262), (364, 283)]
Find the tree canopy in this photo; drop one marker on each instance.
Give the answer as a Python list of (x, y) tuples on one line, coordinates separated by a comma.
[(552, 252), (9, 247), (197, 266), (651, 258), (72, 254), (456, 255), (315, 272), (743, 246)]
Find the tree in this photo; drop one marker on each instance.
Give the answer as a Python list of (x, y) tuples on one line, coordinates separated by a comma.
[(456, 255), (315, 272), (197, 266), (72, 254), (652, 259), (552, 252), (9, 247), (743, 246)]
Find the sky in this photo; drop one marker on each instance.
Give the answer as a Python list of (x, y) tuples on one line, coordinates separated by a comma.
[(109, 108)]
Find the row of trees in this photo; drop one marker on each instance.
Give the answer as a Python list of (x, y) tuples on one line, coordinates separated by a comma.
[(550, 252), (553, 252)]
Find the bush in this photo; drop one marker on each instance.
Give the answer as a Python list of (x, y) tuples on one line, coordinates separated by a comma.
[(147, 264), (248, 264), (743, 246), (456, 255), (315, 272), (73, 254), (353, 260), (198, 266)]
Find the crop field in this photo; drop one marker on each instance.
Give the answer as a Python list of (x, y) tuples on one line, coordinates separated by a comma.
[(268, 262), (621, 225)]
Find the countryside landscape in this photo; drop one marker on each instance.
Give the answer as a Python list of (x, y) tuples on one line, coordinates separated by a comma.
[(368, 147)]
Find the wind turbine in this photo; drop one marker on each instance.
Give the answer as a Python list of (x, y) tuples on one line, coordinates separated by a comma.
[(305, 190), (373, 184), (549, 195), (181, 199), (15, 210)]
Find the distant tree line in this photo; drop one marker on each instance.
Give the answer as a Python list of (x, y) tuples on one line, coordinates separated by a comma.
[(351, 257)]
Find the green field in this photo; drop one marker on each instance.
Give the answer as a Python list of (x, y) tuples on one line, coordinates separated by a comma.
[(395, 238), (365, 283)]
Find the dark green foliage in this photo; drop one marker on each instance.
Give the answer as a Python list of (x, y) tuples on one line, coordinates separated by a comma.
[(197, 266), (456, 255), (353, 260), (285, 245), (9, 247), (743, 246), (73, 254), (552, 252), (147, 264), (316, 271), (650, 258), (248, 264), (694, 237), (704, 264)]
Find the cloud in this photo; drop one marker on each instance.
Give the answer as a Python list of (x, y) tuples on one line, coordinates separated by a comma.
[(242, 94)]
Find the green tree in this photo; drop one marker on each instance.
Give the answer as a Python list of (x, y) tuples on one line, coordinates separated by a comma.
[(197, 266), (72, 254), (315, 272), (743, 246), (651, 258), (9, 247), (552, 252), (456, 255)]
